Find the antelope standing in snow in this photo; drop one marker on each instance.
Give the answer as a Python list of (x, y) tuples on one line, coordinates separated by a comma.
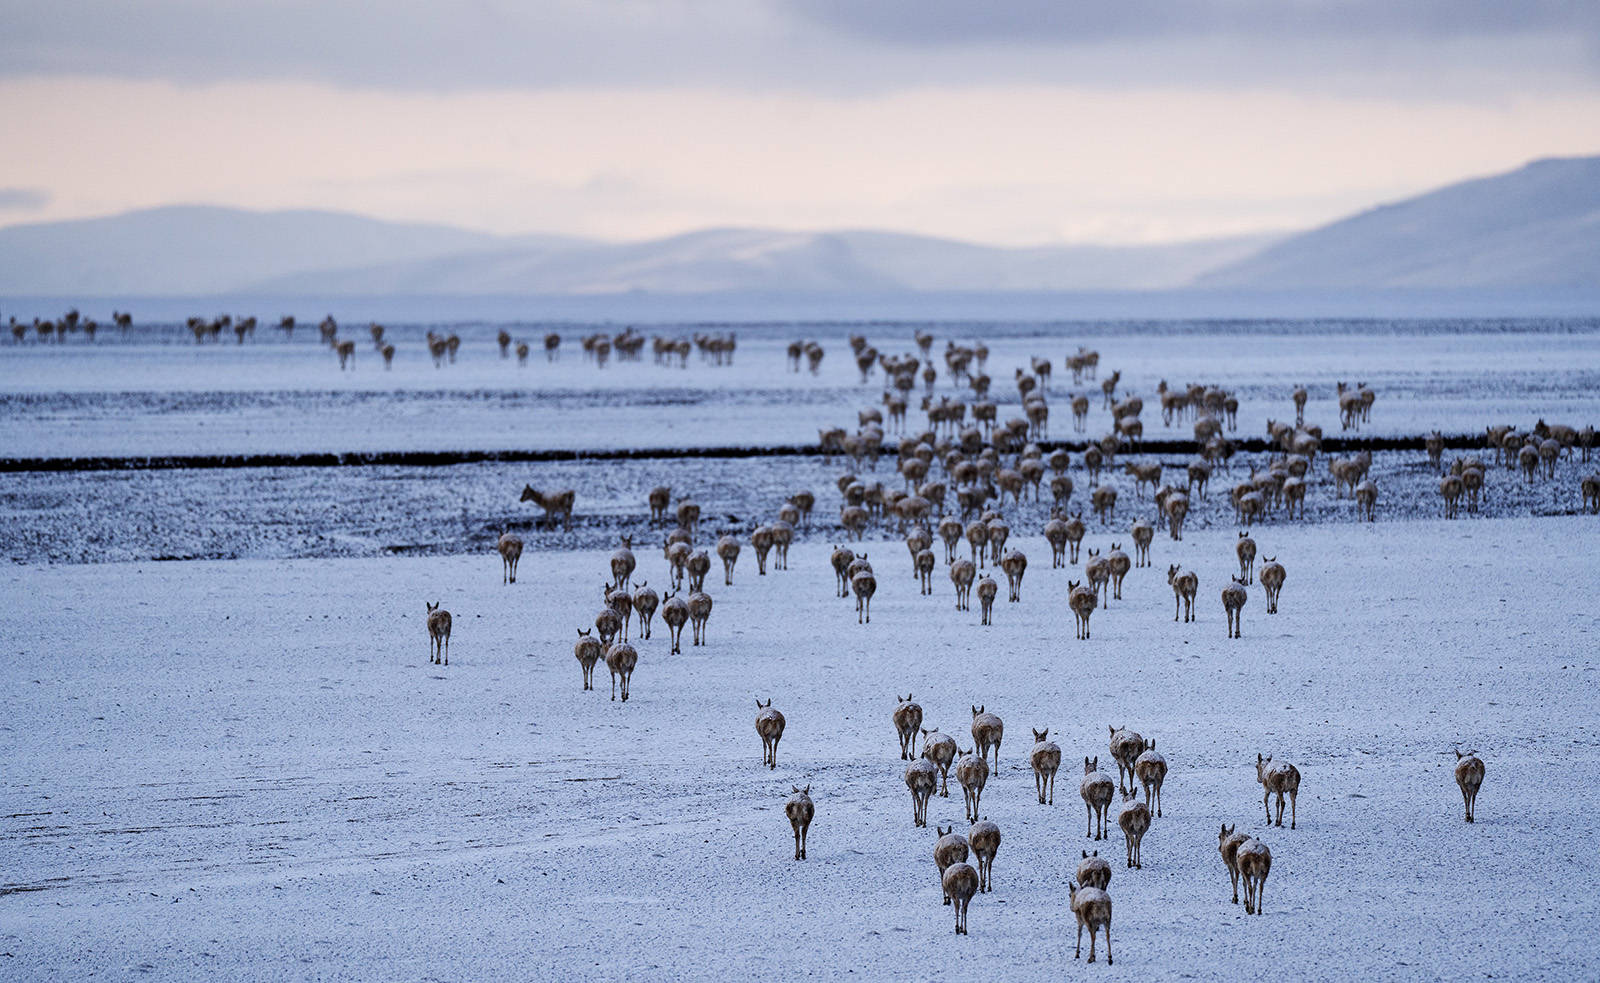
[(1185, 585), (1135, 822), (907, 721), (941, 750), (951, 848), (1282, 778), (510, 549), (438, 634), (1272, 576), (769, 726), (1045, 758), (1151, 770), (1234, 597), (587, 650), (984, 837), (922, 777), (1469, 775), (1092, 907), (1255, 862), (800, 810), (960, 883), (1096, 790), (620, 659)]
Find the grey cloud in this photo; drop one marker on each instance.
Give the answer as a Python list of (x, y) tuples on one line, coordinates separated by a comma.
[(23, 199), (1046, 21), (830, 46)]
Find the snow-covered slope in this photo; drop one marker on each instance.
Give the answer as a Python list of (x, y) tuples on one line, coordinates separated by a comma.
[(248, 770), (761, 259), (203, 249), (1536, 226)]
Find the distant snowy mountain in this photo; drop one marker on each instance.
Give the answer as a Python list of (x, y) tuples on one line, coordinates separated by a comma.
[(1538, 226), (756, 260), (202, 250)]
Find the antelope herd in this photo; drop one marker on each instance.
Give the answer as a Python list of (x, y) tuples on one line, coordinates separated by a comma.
[(970, 477), (991, 467)]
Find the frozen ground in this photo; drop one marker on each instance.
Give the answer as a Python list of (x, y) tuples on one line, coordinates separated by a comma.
[(305, 512), (247, 769), (155, 394)]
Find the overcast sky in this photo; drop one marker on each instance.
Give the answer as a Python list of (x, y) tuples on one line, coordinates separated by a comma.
[(1025, 121)]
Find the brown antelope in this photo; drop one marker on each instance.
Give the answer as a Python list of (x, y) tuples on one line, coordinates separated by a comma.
[(1176, 508), (1185, 586), (907, 721), (769, 726), (1045, 758), (659, 498), (972, 771), (554, 504), (1234, 597), (987, 591), (960, 883), (1143, 534), (1092, 907), (728, 550), (1151, 770), (1125, 747), (941, 750), (1135, 822), (1118, 563), (1228, 842), (1093, 870), (1272, 575), (841, 558), (1096, 790), (438, 634), (510, 549), (1015, 564), (620, 659), (1246, 550), (675, 612), (951, 848), (1254, 861), (1097, 570), (987, 730), (1055, 533), (645, 601), (922, 777), (925, 562), (623, 562), (1082, 601), (587, 650), (984, 837), (699, 605), (800, 810), (1469, 775), (1282, 778), (962, 573), (863, 585)]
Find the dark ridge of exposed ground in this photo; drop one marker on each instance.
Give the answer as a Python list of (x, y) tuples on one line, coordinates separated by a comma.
[(382, 509), (1247, 445)]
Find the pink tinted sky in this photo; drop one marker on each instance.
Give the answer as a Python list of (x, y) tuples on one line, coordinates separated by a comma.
[(638, 119)]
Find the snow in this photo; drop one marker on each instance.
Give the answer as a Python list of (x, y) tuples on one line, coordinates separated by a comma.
[(248, 770), (156, 396), (245, 768)]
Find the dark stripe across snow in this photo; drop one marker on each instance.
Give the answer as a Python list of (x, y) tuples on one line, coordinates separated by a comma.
[(1249, 445)]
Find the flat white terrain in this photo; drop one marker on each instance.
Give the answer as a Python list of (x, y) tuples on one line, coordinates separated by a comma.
[(158, 395), (248, 769)]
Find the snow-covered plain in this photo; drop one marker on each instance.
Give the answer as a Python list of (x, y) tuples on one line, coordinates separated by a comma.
[(157, 394), (245, 768), (248, 769)]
